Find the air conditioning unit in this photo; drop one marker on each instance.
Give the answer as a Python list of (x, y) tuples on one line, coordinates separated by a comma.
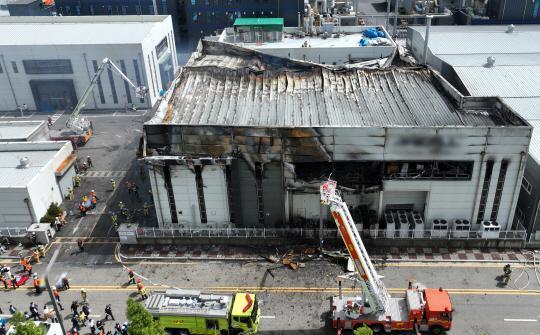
[(461, 228), (404, 224), (490, 229), (439, 228), (419, 226), (390, 224), (359, 227)]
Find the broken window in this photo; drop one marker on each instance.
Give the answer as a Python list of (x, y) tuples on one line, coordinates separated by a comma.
[(434, 170)]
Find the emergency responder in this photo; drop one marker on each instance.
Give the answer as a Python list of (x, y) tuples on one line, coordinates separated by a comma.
[(121, 206), (84, 296), (57, 298), (80, 244), (29, 269), (146, 209), (41, 250), (77, 180), (84, 199), (506, 274), (89, 161), (70, 193), (113, 184), (135, 190), (108, 312), (141, 289), (93, 194), (82, 208), (33, 238), (84, 167), (14, 283), (114, 220), (94, 202), (65, 282), (37, 286), (35, 255), (131, 276), (75, 307)]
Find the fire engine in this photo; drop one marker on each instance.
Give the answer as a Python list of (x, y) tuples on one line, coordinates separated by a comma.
[(420, 309)]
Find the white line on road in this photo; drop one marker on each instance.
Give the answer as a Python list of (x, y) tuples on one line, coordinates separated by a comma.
[(520, 320), (77, 226), (268, 316), (94, 316)]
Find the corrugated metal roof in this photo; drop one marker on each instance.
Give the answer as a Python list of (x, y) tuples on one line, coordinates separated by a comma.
[(515, 76), (258, 21), (466, 40), (249, 91), (503, 81)]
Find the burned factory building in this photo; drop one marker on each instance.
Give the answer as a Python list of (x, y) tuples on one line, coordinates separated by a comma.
[(245, 139)]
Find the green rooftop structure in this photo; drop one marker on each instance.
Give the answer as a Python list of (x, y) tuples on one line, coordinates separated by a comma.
[(265, 24)]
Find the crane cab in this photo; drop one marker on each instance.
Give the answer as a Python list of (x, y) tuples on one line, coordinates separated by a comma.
[(438, 310)]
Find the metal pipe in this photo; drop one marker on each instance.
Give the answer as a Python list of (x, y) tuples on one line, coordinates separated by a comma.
[(387, 15), (48, 285), (426, 39), (395, 17)]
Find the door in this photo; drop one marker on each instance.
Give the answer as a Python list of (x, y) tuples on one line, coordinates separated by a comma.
[(53, 94)]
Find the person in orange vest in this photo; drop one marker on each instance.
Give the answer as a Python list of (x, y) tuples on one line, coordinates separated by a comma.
[(29, 269), (141, 289), (94, 202), (57, 298), (24, 262), (37, 284), (82, 208), (84, 199)]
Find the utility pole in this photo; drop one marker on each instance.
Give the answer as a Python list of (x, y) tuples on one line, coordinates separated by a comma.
[(48, 285)]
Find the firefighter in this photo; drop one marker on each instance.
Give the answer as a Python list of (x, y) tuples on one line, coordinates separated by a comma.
[(36, 284), (82, 208), (84, 199), (506, 275), (94, 202), (80, 244), (114, 220), (35, 255), (33, 238), (41, 250), (84, 296), (84, 167), (121, 206), (70, 194), (131, 276), (77, 179), (89, 161), (141, 289), (113, 184), (93, 194), (146, 209), (57, 298)]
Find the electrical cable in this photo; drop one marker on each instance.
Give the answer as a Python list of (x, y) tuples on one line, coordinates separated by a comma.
[(524, 270)]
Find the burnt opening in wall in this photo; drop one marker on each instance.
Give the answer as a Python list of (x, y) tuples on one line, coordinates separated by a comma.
[(358, 176)]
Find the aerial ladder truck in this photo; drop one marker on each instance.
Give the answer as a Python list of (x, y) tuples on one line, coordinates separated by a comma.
[(79, 129), (420, 309)]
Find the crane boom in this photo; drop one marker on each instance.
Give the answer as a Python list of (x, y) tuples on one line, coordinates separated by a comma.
[(80, 124), (373, 288)]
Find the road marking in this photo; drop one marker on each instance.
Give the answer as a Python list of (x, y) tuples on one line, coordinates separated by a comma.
[(104, 174), (520, 320), (94, 316), (77, 226), (268, 316)]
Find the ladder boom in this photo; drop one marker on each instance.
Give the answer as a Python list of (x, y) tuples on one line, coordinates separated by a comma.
[(377, 293)]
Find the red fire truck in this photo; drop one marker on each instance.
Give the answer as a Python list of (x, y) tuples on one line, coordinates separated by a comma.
[(419, 309)]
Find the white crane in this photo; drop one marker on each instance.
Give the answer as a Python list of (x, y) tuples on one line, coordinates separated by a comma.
[(375, 294), (80, 124)]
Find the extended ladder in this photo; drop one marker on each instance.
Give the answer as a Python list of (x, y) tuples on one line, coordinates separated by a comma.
[(373, 288)]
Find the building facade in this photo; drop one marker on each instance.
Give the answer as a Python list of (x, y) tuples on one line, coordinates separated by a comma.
[(51, 70), (495, 61), (31, 8), (34, 174), (245, 141)]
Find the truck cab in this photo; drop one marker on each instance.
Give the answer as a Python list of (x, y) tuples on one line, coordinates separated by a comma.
[(438, 310), (245, 313)]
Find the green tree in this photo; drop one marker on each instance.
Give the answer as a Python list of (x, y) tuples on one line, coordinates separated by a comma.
[(23, 327), (140, 321), (363, 330)]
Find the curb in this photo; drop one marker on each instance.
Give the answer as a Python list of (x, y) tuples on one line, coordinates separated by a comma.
[(374, 260)]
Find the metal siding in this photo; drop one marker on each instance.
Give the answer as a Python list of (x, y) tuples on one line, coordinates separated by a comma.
[(215, 194), (185, 195), (161, 199), (244, 195), (273, 196), (306, 205), (66, 181)]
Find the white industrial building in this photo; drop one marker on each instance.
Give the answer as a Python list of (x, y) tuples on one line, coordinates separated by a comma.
[(47, 62), (32, 176), (244, 140), (499, 61), (328, 44), (23, 131)]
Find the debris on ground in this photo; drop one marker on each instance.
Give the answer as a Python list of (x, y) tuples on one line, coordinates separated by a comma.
[(293, 259)]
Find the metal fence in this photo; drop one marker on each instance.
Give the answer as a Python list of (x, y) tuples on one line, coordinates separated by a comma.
[(13, 232), (310, 233)]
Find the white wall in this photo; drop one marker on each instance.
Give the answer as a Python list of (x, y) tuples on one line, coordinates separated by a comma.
[(13, 210), (159, 193), (82, 72), (43, 190), (185, 195), (215, 194)]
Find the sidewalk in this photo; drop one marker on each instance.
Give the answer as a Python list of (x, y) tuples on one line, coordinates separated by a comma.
[(228, 253), (14, 251)]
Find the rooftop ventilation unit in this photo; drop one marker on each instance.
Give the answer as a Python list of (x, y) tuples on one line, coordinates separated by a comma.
[(510, 29), (490, 62), (24, 162)]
